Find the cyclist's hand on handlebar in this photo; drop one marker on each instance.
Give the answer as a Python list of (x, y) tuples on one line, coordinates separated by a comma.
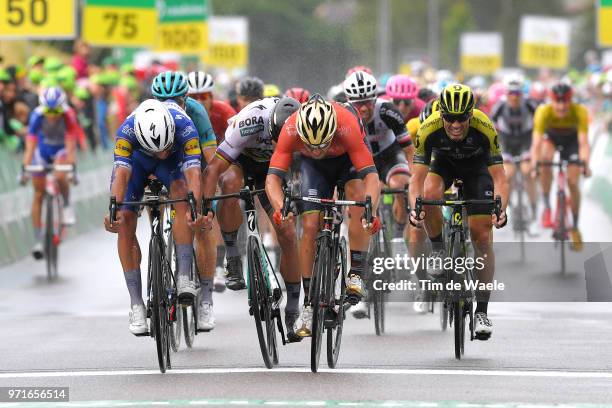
[(417, 221), (114, 227), (371, 227), (502, 221), (23, 178), (278, 219), (201, 222), (586, 171)]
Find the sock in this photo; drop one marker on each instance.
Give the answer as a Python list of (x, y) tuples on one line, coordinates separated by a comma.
[(220, 255), (575, 219), (134, 285), (230, 239), (206, 284), (357, 263), (306, 286), (481, 307), (184, 256), (546, 198), (293, 297), (39, 234)]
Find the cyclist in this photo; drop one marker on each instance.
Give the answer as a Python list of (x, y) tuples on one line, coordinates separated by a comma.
[(201, 85), (463, 142), (330, 140), (52, 138), (248, 146), (299, 94), (271, 90), (404, 92), (248, 89), (513, 119), (562, 125), (389, 141), (159, 139), (172, 87)]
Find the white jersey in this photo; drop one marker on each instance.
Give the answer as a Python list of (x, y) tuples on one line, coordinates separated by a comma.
[(386, 128), (248, 133)]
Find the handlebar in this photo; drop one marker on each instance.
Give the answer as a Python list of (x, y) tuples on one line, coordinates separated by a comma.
[(152, 201), (39, 168), (328, 202), (420, 202)]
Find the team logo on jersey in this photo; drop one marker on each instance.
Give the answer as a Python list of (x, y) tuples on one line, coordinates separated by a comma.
[(123, 148), (251, 126), (127, 130), (192, 148), (188, 130)]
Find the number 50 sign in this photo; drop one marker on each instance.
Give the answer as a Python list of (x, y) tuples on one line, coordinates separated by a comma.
[(37, 18), (131, 23)]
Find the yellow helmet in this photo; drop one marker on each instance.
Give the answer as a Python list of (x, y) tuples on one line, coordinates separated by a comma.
[(316, 122), (271, 90), (456, 99)]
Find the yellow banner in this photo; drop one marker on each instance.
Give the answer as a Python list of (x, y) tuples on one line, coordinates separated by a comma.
[(604, 25), (480, 64), (120, 26), (37, 18), (227, 55), (535, 55), (184, 38)]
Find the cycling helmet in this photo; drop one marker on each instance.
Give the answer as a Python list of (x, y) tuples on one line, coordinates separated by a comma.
[(154, 126), (561, 92), (200, 82), (431, 107), (362, 68), (402, 87), (299, 94), (271, 90), (316, 122), (282, 110), (456, 99), (336, 93), (477, 82), (514, 83), (537, 91), (360, 86), (52, 98), (169, 84), (426, 94), (252, 87)]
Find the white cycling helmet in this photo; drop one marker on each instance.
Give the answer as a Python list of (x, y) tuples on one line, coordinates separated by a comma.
[(200, 82), (154, 126), (514, 82), (360, 86)]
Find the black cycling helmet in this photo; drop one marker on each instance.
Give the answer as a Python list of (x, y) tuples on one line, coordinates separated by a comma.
[(281, 112), (561, 92), (426, 94), (431, 107), (251, 87)]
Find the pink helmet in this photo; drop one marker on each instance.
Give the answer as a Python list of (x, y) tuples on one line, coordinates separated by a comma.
[(496, 92), (401, 87), (356, 68)]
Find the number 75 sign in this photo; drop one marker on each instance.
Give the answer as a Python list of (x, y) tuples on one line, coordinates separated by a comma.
[(131, 23), (37, 18)]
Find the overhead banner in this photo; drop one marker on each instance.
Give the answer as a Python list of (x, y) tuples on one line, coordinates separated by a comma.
[(37, 19), (183, 26), (544, 42), (124, 23), (481, 53), (604, 23), (228, 43)]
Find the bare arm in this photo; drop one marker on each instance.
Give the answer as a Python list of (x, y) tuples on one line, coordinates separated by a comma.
[(274, 190), (500, 183), (216, 167)]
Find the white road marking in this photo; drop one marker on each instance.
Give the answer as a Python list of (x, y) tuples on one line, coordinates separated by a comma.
[(280, 370)]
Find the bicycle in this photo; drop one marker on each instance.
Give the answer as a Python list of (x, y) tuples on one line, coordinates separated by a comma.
[(562, 209), (457, 304), (52, 208), (328, 297), (264, 293), (162, 297), (380, 246), (519, 223)]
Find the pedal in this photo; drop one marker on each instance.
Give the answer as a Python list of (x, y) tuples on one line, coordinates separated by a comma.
[(482, 336), (145, 334), (276, 294), (186, 299), (203, 330), (353, 299), (331, 319)]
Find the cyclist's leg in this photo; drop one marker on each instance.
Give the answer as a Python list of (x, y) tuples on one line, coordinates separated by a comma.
[(529, 184), (61, 177), (359, 239), (38, 183), (510, 170), (570, 152), (547, 154)]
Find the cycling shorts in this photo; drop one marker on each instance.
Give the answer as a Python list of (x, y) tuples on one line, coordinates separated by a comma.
[(257, 172), (567, 145), (515, 145), (391, 161), (143, 166), (47, 156), (320, 177), (477, 182)]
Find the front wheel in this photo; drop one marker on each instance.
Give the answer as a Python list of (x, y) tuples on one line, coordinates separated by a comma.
[(159, 304), (53, 229), (260, 303), (318, 290)]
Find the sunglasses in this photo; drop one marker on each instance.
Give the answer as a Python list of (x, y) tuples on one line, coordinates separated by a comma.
[(452, 118), (54, 111), (405, 101), (364, 102), (517, 93), (322, 146)]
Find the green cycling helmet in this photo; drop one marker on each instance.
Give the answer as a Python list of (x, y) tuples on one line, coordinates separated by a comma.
[(169, 84), (52, 64)]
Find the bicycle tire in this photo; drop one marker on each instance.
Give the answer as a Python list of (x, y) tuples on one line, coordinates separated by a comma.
[(177, 326), (379, 296), (443, 308), (334, 334), (260, 299), (190, 313), (459, 331), (159, 306), (318, 291), (561, 227), (521, 211)]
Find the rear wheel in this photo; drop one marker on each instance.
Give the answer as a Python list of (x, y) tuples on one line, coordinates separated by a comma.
[(52, 235), (334, 330), (561, 226), (459, 322), (189, 324), (260, 301), (177, 327)]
